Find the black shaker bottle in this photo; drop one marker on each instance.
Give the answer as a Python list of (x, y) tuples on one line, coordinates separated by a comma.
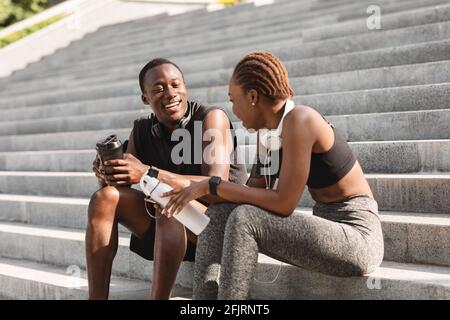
[(109, 148)]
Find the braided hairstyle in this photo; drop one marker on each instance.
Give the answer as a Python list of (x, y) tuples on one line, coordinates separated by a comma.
[(265, 73)]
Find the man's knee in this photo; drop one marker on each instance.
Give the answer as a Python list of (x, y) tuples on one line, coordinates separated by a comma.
[(102, 199), (105, 195)]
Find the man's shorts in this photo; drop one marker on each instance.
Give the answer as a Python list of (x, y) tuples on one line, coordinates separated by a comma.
[(144, 247)]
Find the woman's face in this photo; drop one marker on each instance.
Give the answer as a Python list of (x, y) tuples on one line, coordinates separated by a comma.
[(242, 105)]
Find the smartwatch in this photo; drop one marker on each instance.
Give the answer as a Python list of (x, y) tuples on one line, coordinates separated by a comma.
[(153, 172), (213, 183)]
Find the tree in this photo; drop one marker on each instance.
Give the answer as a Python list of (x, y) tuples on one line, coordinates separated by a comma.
[(12, 11)]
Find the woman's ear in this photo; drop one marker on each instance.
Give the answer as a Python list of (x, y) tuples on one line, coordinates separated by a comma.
[(252, 96)]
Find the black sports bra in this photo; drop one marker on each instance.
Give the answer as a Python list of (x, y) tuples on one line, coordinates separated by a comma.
[(331, 166), (326, 168)]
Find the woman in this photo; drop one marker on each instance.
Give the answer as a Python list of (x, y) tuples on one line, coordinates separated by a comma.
[(343, 237)]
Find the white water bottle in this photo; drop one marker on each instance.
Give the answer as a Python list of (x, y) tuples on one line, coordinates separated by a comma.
[(190, 216)]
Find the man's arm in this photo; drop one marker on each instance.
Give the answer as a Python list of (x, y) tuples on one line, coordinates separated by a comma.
[(216, 151)]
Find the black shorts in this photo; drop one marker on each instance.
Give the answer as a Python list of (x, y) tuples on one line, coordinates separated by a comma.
[(144, 247)]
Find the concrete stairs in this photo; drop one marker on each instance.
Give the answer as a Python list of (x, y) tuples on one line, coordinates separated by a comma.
[(387, 91)]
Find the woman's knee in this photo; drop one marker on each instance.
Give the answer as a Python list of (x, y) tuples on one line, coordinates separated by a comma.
[(219, 213), (243, 216)]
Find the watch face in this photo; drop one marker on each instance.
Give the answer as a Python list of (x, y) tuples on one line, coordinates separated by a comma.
[(153, 173)]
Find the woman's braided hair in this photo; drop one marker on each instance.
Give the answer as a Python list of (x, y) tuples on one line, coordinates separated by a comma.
[(265, 73)]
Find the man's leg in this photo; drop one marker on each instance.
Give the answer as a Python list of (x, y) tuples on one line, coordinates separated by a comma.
[(109, 206)]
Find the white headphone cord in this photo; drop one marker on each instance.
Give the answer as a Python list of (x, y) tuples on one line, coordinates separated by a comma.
[(268, 186)]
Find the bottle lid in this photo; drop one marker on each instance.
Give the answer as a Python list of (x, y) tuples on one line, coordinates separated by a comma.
[(110, 143)]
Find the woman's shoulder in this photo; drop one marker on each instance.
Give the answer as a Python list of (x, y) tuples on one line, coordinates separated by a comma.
[(302, 114)]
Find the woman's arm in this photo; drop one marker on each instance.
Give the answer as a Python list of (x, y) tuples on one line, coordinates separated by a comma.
[(297, 147)]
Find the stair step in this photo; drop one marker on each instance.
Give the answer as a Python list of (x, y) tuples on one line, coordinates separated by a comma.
[(392, 281), (423, 282), (434, 124), (394, 192), (406, 75), (409, 54), (408, 98), (213, 60), (409, 237), (65, 247), (396, 20), (25, 280), (406, 156), (390, 21)]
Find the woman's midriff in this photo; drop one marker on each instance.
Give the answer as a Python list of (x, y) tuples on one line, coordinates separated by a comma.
[(352, 184)]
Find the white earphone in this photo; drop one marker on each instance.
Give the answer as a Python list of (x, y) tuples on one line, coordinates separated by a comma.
[(270, 139)]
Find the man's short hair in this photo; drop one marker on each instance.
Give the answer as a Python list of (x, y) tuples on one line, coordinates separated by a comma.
[(150, 65)]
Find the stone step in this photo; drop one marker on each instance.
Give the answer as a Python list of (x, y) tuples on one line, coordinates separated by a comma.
[(429, 17), (59, 141), (409, 237), (434, 124), (408, 18), (394, 192), (212, 60), (289, 16), (293, 19), (65, 247), (406, 192), (409, 54), (87, 139), (392, 281), (390, 21), (376, 78), (408, 156), (391, 278), (406, 75), (252, 19), (408, 98), (26, 280)]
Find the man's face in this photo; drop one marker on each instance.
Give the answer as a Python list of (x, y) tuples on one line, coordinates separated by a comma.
[(165, 92)]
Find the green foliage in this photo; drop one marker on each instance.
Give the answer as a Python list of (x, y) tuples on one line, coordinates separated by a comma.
[(23, 33), (12, 11)]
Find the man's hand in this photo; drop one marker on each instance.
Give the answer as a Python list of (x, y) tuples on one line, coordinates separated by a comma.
[(97, 169), (123, 172)]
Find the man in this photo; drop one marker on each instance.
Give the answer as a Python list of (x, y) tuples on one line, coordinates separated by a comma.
[(150, 151)]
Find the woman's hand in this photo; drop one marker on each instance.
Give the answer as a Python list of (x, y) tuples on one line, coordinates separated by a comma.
[(180, 198), (123, 172), (176, 182)]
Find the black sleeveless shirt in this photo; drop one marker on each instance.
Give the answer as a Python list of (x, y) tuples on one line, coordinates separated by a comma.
[(154, 145)]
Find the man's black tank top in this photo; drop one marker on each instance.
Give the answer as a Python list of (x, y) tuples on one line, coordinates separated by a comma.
[(154, 146)]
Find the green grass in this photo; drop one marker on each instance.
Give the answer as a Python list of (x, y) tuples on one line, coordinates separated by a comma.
[(27, 31)]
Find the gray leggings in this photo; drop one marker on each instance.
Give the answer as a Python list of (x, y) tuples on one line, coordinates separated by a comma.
[(341, 239)]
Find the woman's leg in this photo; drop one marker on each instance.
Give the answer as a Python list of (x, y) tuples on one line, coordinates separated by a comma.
[(209, 252), (303, 240), (110, 206)]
